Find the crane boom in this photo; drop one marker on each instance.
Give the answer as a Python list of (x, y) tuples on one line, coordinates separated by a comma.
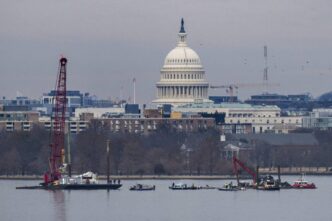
[(57, 143), (236, 163)]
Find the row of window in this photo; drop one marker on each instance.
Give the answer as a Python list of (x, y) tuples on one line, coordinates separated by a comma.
[(194, 61), (137, 129), (252, 115), (125, 122), (10, 116), (267, 121), (183, 76)]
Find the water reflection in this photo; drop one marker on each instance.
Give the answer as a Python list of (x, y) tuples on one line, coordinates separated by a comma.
[(59, 205)]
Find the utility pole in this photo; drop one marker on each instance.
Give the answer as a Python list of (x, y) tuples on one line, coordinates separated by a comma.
[(108, 161), (265, 76), (134, 82)]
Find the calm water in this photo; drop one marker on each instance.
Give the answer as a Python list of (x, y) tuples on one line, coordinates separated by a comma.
[(166, 205)]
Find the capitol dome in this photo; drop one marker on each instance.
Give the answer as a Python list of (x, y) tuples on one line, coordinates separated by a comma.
[(182, 55), (182, 77)]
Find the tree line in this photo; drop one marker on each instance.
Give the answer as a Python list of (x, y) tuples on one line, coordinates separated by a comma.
[(164, 151)]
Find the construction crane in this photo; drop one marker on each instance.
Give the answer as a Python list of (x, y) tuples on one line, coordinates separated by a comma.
[(231, 89), (236, 164), (57, 144)]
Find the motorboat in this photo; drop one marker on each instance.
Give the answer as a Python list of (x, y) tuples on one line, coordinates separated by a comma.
[(182, 186), (142, 187), (228, 187), (301, 183)]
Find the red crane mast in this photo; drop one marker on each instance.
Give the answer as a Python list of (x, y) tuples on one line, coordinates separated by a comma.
[(57, 144)]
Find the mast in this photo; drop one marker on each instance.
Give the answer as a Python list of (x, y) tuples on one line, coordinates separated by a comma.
[(68, 151)]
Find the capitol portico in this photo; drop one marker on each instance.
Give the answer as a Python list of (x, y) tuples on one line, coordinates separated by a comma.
[(182, 78)]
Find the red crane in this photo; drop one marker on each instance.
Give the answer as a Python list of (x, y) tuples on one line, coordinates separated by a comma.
[(57, 143), (236, 163)]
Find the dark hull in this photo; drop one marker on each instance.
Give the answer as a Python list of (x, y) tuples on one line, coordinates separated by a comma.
[(184, 188), (143, 189), (227, 189), (207, 188), (268, 188), (75, 187)]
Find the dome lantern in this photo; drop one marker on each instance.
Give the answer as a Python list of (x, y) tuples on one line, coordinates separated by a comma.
[(182, 35)]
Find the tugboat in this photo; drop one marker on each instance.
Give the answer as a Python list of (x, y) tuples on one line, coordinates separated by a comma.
[(301, 183), (181, 186), (268, 183), (142, 187)]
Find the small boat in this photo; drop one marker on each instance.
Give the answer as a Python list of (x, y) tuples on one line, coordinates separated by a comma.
[(228, 187), (181, 186), (268, 183), (301, 183), (142, 187), (207, 187)]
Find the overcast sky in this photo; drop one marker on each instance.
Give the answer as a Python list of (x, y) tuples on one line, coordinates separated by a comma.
[(109, 42)]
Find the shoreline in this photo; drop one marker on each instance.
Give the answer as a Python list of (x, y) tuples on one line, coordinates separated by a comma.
[(165, 177)]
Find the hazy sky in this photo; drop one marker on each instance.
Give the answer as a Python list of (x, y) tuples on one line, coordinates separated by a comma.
[(109, 42)]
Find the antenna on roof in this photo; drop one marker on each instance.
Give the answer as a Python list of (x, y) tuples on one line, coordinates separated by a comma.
[(265, 75)]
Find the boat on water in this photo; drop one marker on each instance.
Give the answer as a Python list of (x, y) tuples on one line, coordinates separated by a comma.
[(301, 183), (229, 187), (207, 187), (86, 181), (182, 186), (142, 187), (268, 183)]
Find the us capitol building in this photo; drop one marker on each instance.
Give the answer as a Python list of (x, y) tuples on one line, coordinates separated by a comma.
[(182, 78)]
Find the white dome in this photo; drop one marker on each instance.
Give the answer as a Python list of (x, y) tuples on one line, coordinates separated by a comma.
[(182, 78), (182, 55)]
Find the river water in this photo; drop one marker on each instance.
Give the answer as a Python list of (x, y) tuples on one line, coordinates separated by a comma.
[(167, 205)]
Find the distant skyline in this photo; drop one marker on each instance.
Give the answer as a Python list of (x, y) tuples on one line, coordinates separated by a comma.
[(108, 43)]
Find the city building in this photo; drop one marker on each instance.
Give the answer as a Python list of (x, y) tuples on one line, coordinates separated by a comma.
[(147, 125), (74, 125), (18, 120), (223, 99), (182, 77), (99, 112), (74, 100), (262, 118), (319, 119)]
